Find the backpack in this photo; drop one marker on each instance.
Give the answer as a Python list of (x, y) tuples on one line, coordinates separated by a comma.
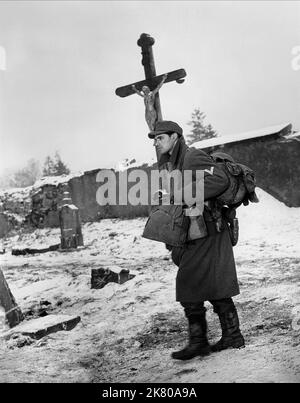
[(241, 190), (242, 181)]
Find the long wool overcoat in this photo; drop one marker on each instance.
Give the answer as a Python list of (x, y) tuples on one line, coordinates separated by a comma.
[(206, 266)]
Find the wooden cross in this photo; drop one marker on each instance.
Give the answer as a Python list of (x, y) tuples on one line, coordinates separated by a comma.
[(151, 79)]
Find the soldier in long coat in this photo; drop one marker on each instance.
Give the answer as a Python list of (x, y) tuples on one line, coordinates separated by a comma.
[(206, 266)]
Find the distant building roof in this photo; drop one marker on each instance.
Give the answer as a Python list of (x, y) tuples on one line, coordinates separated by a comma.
[(283, 129)]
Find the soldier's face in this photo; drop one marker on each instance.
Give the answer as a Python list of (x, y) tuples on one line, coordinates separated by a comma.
[(164, 142)]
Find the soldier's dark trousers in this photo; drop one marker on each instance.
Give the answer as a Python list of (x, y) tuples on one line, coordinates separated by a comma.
[(198, 343)]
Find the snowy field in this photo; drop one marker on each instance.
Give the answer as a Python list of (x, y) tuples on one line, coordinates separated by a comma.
[(127, 332)]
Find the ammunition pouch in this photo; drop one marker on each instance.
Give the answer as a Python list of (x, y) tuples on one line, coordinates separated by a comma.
[(233, 227), (229, 215), (218, 218)]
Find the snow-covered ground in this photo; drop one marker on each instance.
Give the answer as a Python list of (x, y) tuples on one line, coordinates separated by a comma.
[(128, 331)]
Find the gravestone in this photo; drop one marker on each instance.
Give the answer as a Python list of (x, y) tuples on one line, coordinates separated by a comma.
[(70, 225), (11, 312)]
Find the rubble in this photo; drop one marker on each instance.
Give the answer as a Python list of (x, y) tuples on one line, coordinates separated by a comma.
[(102, 276), (31, 251)]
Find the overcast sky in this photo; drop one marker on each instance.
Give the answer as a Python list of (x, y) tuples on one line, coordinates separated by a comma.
[(64, 61)]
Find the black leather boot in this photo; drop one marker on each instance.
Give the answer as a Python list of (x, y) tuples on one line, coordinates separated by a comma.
[(198, 344), (231, 334)]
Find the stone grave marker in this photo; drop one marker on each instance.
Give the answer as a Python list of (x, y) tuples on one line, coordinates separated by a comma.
[(70, 225)]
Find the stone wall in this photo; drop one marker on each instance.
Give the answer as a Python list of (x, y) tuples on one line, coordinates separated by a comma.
[(83, 190), (15, 204), (8, 223)]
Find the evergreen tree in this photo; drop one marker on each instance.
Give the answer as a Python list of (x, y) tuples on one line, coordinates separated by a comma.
[(48, 169), (199, 131), (55, 166), (59, 166)]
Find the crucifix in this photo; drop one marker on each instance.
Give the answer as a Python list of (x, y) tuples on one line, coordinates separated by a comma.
[(149, 87)]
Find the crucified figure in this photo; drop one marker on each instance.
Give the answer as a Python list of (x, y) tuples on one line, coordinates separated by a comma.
[(149, 99)]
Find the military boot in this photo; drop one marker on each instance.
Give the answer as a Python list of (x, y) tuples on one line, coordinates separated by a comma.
[(231, 334), (198, 344)]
